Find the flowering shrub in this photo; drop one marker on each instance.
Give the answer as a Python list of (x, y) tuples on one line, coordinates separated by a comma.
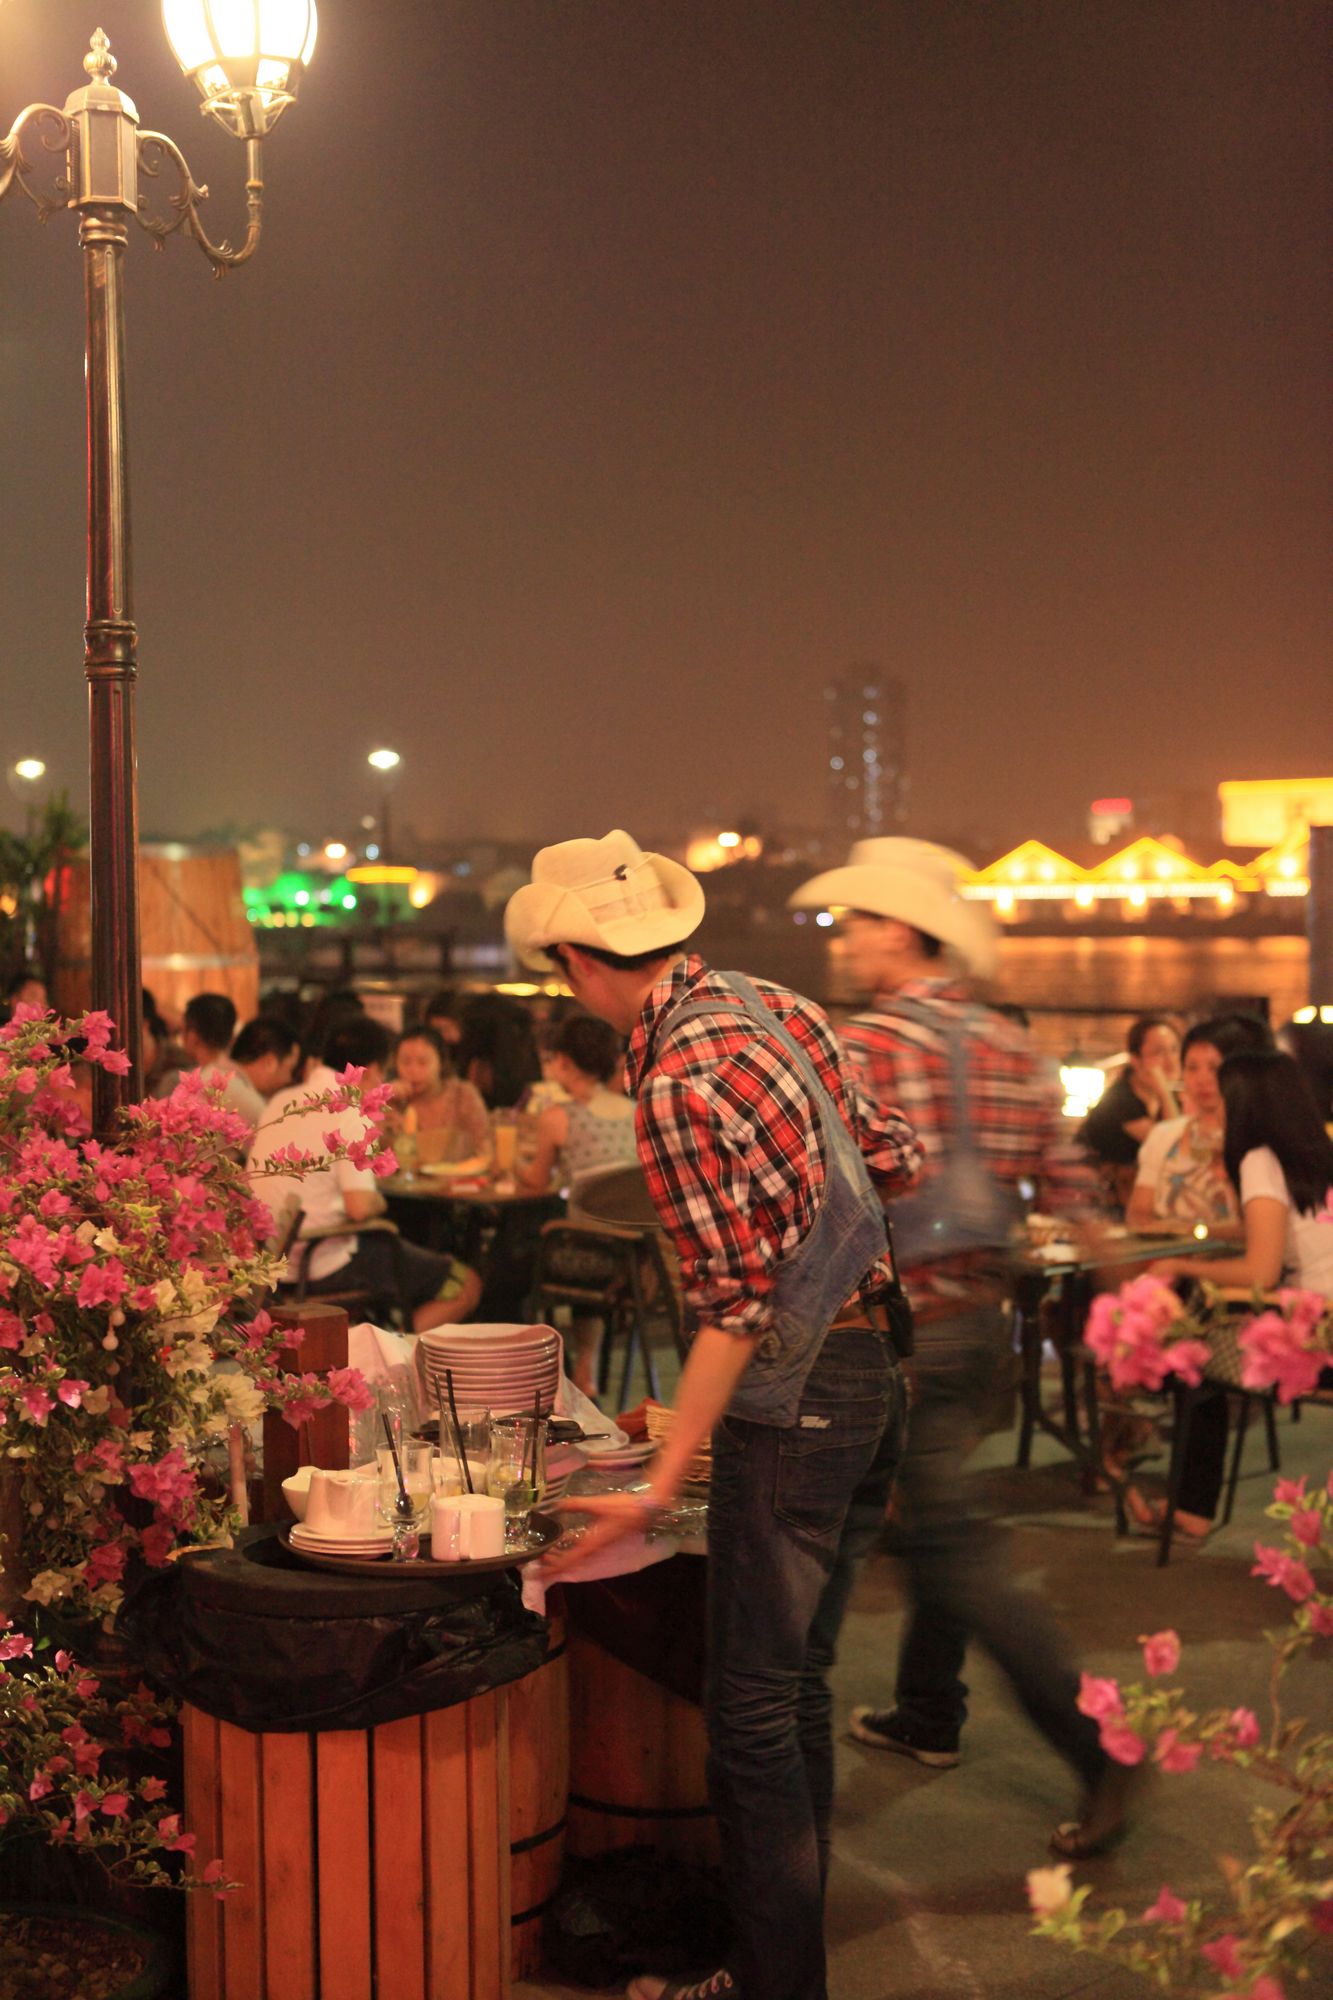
[(1143, 1333), (67, 1775), (1275, 1904), (126, 1272)]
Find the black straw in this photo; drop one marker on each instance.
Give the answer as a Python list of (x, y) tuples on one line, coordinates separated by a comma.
[(458, 1428), (393, 1451)]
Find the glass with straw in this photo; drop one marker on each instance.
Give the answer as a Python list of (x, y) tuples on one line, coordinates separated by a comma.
[(517, 1470)]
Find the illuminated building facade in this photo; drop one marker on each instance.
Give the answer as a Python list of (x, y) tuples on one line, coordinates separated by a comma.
[(866, 720)]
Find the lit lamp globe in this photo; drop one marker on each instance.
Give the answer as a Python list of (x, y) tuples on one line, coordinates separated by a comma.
[(384, 760), (247, 56)]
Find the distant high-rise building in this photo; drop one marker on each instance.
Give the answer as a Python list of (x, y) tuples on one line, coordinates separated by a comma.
[(866, 712)]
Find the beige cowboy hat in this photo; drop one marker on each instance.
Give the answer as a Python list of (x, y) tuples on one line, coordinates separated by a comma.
[(915, 882), (604, 893)]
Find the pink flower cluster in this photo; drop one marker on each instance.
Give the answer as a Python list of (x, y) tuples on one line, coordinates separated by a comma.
[(1127, 1332), (1287, 1348)]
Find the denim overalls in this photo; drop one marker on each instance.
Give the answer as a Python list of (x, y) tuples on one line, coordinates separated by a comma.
[(823, 1271), (803, 1462)]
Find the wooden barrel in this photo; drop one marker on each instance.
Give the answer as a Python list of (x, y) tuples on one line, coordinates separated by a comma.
[(370, 1860), (538, 1792), (637, 1762), (194, 932)]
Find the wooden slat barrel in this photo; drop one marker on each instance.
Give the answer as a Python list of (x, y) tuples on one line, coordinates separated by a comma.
[(637, 1761), (371, 1860), (196, 936), (538, 1791)]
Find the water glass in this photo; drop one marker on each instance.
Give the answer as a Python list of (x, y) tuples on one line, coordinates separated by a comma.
[(517, 1471), (415, 1456)]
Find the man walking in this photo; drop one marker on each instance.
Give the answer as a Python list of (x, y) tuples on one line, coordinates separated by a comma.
[(756, 1152), (987, 1119)]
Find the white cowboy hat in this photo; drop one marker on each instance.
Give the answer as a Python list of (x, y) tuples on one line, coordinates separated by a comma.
[(605, 893), (916, 883)]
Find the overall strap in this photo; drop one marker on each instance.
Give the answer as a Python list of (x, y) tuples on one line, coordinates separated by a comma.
[(748, 1002), (953, 1035)]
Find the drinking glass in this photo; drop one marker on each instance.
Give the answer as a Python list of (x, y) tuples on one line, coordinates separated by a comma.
[(414, 1455), (504, 1143), (516, 1473)]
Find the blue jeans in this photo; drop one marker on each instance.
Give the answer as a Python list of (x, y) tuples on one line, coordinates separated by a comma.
[(790, 1510), (956, 1564)]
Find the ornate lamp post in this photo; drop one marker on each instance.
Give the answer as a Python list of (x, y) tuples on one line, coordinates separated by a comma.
[(247, 58)]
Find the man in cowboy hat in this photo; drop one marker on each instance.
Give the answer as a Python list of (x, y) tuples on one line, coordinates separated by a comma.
[(988, 1118), (756, 1151)]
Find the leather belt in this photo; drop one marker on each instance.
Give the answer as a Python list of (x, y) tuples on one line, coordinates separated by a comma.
[(856, 1318)]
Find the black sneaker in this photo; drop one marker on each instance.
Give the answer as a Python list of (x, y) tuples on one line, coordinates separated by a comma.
[(886, 1730), (718, 1986)]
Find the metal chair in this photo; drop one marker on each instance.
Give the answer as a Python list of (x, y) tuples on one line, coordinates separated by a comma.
[(387, 1308), (599, 1269)]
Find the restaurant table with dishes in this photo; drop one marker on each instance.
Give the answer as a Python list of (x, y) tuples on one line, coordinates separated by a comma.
[(601, 1745)]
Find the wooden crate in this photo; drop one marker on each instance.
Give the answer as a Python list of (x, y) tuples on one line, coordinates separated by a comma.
[(538, 1792), (371, 1861)]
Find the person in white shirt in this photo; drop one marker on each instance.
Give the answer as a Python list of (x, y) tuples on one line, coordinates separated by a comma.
[(210, 1023), (436, 1290), (1279, 1158)]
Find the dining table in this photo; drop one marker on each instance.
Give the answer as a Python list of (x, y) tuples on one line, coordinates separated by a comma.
[(491, 1224), (1069, 1274)]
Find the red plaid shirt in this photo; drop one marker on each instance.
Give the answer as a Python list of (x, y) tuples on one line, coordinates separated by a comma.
[(1013, 1101), (729, 1140)]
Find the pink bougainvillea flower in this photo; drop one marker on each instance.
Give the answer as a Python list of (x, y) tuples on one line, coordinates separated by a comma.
[(115, 1805), (1173, 1755), (152, 1788), (17, 1646), (1224, 1953), (1283, 1572), (37, 1401), (348, 1386), (171, 1837), (1161, 1652), (39, 1787), (71, 1391), (1290, 1492), (1122, 1743), (1244, 1727), (1168, 1909), (1307, 1524), (1321, 1620), (1099, 1697)]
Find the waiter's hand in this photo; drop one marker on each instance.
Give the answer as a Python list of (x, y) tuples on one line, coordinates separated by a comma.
[(614, 1515)]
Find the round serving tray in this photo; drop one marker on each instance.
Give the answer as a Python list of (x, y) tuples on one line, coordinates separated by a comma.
[(543, 1529)]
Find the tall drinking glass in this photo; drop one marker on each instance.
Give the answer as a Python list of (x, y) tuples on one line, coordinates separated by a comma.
[(517, 1471)]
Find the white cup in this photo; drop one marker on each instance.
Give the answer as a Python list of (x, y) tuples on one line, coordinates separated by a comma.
[(341, 1504), (466, 1527)]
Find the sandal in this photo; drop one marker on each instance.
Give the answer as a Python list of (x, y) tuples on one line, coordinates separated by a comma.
[(1105, 1820), (1146, 1518)]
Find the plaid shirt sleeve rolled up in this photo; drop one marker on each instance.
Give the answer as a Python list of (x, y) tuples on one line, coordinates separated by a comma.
[(729, 1141)]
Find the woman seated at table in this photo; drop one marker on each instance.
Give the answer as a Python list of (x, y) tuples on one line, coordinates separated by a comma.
[(446, 1115), (594, 1128), (1180, 1176), (1279, 1159)]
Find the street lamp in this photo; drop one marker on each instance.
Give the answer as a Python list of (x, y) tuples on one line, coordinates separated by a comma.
[(30, 769), (386, 762), (247, 57)]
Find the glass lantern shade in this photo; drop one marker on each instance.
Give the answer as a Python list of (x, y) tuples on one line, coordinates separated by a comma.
[(247, 56)]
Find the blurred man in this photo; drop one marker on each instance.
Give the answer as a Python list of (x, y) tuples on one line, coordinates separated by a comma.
[(265, 1053), (210, 1023), (988, 1118), (751, 1139)]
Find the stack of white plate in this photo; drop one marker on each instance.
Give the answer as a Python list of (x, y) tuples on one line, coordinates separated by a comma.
[(503, 1369), (378, 1544)]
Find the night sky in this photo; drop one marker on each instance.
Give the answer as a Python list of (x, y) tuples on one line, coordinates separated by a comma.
[(612, 371)]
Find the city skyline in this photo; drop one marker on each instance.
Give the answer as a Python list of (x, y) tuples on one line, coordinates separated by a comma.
[(610, 381)]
